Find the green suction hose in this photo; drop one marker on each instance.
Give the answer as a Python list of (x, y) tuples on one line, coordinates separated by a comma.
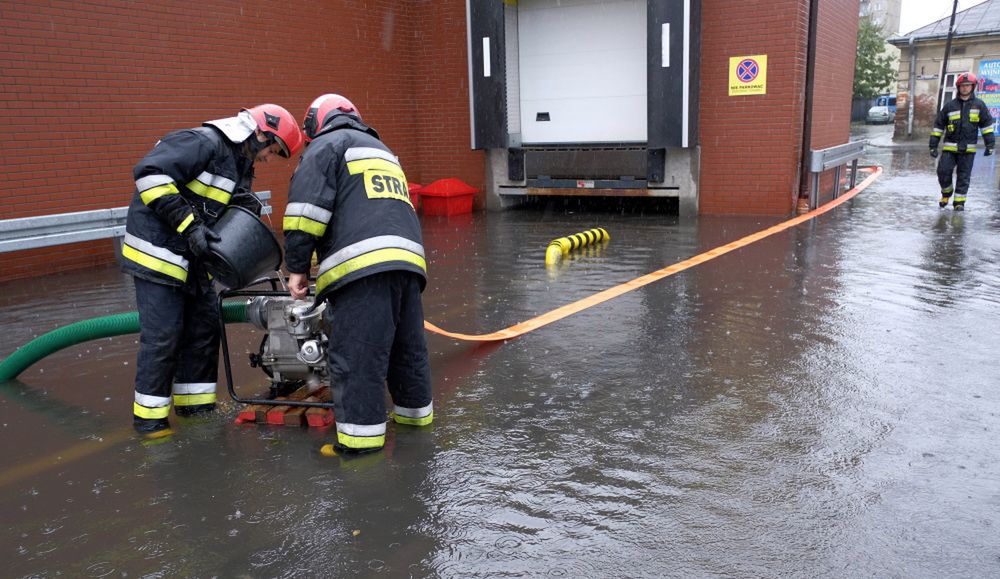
[(104, 327)]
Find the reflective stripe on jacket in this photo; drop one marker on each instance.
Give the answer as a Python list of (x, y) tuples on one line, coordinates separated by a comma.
[(959, 123), (349, 202), (190, 175)]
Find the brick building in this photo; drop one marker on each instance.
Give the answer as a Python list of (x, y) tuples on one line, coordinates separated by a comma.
[(89, 87)]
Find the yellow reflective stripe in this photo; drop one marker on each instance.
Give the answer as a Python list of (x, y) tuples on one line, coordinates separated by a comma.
[(974, 118), (184, 224), (366, 260), (955, 115), (959, 199), (210, 192), (301, 223), (422, 421), (362, 165), (194, 399), (937, 132), (950, 148), (970, 148), (361, 441), (154, 193), (988, 130), (150, 413), (154, 263)]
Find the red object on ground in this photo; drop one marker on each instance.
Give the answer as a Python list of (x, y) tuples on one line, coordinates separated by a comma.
[(447, 197), (319, 417), (414, 190)]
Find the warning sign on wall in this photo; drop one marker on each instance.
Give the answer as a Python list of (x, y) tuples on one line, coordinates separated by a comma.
[(748, 75)]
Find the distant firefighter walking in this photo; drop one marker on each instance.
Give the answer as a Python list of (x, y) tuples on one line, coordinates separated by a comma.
[(960, 121)]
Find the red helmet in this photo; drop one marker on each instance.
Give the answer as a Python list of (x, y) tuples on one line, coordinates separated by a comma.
[(278, 124), (966, 77), (320, 108)]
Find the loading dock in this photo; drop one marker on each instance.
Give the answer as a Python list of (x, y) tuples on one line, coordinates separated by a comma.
[(585, 97)]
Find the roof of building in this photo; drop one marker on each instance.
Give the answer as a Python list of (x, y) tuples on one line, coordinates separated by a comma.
[(980, 20)]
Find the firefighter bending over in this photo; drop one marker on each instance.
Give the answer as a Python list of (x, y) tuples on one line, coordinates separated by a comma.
[(181, 187)]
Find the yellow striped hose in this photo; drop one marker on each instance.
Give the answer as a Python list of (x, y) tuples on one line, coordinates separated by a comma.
[(559, 247)]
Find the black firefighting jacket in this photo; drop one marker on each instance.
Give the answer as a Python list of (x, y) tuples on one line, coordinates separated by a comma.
[(349, 202), (190, 176), (960, 122)]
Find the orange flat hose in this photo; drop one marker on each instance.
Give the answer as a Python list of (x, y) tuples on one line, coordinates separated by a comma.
[(603, 296)]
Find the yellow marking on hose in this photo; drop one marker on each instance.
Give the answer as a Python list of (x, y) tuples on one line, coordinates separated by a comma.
[(603, 296)]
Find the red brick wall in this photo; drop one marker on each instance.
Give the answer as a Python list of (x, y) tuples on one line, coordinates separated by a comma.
[(831, 109), (752, 145), (441, 91), (89, 88)]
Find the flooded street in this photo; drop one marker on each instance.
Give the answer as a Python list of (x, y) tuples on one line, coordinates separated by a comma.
[(821, 403)]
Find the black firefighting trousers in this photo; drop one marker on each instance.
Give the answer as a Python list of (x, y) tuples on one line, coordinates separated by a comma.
[(376, 339), (948, 163), (178, 348)]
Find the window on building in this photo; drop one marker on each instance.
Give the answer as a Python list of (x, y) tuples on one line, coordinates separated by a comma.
[(948, 87)]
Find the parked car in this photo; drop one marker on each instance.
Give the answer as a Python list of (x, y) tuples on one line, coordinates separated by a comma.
[(884, 110)]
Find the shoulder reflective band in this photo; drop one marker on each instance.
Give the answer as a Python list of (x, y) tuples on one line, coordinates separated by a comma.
[(601, 297)]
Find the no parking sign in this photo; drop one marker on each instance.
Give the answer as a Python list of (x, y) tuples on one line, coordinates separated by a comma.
[(748, 75)]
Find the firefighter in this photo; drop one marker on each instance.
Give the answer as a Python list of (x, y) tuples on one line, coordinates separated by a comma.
[(960, 121), (348, 201), (181, 188)]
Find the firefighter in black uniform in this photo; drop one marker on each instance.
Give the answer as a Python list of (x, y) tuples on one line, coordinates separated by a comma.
[(181, 187), (349, 202), (960, 121)]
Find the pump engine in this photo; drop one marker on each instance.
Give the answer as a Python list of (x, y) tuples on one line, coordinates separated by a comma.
[(294, 347)]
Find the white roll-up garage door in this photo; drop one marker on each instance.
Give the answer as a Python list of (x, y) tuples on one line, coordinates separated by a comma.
[(582, 70)]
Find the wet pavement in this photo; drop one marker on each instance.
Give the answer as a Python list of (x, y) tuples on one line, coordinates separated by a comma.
[(821, 403)]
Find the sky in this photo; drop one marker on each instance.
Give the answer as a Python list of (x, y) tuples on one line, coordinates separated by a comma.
[(917, 13)]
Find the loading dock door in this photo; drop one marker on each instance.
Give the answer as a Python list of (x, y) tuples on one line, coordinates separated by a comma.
[(486, 73), (582, 67), (674, 48)]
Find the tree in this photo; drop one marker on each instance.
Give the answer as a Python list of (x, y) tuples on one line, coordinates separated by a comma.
[(874, 71)]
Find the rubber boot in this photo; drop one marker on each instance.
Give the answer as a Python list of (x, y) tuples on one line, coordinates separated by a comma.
[(151, 427)]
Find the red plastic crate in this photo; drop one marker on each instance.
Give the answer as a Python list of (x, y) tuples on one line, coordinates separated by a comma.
[(414, 190), (447, 197), (456, 205)]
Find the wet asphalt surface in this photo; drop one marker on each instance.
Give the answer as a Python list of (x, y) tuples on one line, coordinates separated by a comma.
[(821, 403)]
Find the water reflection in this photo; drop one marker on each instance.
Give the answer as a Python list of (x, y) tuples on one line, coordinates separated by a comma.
[(944, 261)]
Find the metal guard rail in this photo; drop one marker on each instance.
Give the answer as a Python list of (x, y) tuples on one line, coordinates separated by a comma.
[(63, 228), (833, 158)]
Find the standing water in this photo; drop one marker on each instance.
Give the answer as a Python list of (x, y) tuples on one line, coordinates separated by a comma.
[(821, 403)]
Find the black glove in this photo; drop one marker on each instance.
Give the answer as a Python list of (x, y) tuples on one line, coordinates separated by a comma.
[(934, 153), (987, 152), (199, 237)]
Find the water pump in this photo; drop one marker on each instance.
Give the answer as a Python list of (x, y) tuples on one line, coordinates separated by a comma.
[(294, 347)]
